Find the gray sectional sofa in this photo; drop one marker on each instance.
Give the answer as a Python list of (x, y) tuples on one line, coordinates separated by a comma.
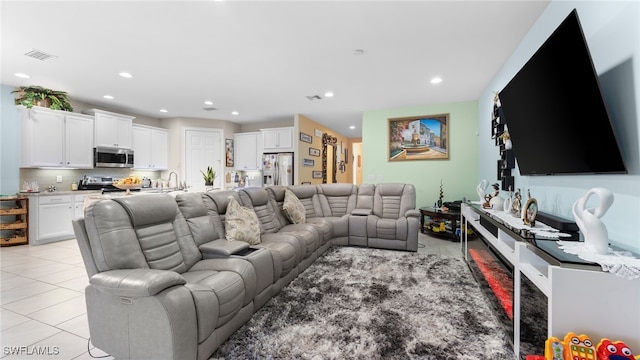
[(165, 283)]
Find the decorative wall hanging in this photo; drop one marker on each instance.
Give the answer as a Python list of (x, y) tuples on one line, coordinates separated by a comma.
[(500, 133), (228, 145), (306, 138), (314, 152), (419, 138)]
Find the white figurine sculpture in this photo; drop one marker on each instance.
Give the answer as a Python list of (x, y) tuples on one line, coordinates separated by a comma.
[(480, 190), (595, 232)]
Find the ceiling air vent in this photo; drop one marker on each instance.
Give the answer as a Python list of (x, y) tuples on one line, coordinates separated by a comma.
[(313, 97), (40, 55), (210, 108)]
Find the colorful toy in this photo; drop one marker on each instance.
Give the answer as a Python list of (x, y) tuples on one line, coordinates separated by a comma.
[(578, 347), (617, 350), (553, 349)]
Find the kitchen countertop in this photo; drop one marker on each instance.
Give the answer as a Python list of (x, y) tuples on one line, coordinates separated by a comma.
[(93, 192)]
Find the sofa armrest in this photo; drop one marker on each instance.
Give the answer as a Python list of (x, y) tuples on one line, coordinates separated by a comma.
[(135, 282), (361, 212), (412, 213), (222, 248)]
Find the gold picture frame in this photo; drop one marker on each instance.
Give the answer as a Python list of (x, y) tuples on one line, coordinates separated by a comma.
[(424, 137)]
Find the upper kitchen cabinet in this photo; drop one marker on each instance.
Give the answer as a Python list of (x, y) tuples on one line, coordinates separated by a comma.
[(277, 139), (112, 130), (150, 148), (53, 138), (248, 150)]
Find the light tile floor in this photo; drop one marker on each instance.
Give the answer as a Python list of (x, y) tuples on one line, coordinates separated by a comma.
[(42, 308)]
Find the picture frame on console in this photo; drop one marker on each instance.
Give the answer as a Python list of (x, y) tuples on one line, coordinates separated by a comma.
[(423, 137)]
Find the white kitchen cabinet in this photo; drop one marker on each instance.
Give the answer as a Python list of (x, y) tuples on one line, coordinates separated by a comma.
[(112, 130), (54, 138), (78, 205), (248, 150), (150, 147), (277, 139), (50, 218)]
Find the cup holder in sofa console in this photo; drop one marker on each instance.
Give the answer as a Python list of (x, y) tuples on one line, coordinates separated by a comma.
[(358, 227)]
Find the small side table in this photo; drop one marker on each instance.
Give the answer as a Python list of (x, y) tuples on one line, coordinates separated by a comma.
[(440, 223)]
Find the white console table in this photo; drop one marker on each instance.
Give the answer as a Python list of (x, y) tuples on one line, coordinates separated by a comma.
[(581, 297)]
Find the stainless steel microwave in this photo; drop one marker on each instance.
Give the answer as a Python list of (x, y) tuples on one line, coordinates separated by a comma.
[(105, 157)]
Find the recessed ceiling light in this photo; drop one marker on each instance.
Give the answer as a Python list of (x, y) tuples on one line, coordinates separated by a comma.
[(23, 76), (208, 102), (436, 80), (235, 113), (328, 94), (126, 75), (108, 97), (163, 110), (352, 127), (358, 52)]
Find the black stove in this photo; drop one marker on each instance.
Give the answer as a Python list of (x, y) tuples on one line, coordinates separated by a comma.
[(102, 183)]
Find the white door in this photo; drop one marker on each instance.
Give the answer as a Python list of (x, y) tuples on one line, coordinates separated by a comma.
[(204, 147)]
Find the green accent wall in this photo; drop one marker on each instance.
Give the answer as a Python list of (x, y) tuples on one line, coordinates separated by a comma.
[(458, 174)]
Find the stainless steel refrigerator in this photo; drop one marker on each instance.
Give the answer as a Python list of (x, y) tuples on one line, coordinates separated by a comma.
[(277, 169)]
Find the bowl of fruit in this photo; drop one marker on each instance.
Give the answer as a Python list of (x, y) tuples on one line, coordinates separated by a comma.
[(129, 183)]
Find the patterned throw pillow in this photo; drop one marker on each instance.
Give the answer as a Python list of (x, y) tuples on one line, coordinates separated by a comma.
[(293, 208), (241, 224)]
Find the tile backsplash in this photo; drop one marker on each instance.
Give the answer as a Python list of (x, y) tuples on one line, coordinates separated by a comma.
[(48, 177)]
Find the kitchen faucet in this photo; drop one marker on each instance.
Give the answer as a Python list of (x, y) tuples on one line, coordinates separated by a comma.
[(177, 182)]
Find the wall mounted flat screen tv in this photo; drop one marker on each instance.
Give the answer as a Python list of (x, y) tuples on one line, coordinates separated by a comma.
[(555, 113)]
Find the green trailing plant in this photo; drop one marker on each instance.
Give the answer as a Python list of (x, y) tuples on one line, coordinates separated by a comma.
[(39, 96), (209, 176)]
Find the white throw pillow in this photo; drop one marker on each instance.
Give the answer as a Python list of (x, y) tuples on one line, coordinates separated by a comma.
[(241, 224), (293, 208)]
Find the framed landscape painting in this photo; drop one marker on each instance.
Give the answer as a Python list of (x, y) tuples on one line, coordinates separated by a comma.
[(424, 137)]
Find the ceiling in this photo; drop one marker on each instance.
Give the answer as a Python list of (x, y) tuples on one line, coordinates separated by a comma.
[(263, 58)]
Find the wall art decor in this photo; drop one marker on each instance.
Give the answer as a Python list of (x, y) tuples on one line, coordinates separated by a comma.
[(306, 138), (424, 137), (308, 162), (228, 146), (314, 152), (316, 174)]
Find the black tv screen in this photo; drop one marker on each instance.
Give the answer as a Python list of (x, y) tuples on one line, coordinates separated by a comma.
[(555, 113)]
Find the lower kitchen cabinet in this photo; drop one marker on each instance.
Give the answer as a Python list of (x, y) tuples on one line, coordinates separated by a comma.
[(50, 217)]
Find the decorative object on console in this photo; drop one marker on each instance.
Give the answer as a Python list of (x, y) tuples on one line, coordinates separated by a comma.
[(480, 189), (441, 195), (496, 202), (507, 202), (595, 232), (516, 204), (530, 210)]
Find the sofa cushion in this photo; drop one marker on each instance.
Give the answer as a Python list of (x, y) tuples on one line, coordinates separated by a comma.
[(293, 208), (241, 224)]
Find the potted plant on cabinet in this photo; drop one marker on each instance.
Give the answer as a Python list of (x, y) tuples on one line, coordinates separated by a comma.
[(39, 96), (209, 176)]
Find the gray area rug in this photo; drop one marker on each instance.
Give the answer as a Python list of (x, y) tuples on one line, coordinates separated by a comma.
[(358, 303)]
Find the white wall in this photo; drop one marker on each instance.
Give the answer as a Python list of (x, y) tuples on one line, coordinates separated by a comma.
[(612, 30)]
